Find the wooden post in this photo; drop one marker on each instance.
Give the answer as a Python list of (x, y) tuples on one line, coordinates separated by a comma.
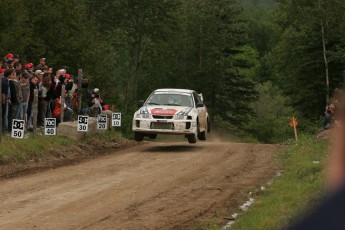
[(113, 108), (80, 80), (0, 110), (62, 101), (295, 130), (294, 124), (34, 118)]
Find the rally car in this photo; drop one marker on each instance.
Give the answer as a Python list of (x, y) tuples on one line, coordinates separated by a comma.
[(172, 111)]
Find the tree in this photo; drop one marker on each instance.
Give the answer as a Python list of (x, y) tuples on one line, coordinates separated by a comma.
[(308, 52)]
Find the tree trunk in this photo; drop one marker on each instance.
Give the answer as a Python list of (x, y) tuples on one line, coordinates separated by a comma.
[(324, 51), (325, 60)]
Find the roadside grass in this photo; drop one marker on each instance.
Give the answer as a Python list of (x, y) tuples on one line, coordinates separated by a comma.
[(294, 193), (22, 150)]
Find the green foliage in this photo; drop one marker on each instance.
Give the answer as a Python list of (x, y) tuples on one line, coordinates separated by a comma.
[(298, 189), (271, 123), (299, 54)]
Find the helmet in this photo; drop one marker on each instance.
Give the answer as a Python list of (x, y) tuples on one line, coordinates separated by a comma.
[(96, 90)]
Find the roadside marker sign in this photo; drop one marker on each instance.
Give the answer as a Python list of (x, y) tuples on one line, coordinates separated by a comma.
[(102, 121), (83, 123), (116, 119), (17, 129), (50, 126)]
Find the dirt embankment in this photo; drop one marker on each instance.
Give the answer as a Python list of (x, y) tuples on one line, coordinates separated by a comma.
[(147, 186)]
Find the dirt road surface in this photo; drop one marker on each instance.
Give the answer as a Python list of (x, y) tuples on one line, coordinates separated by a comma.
[(149, 186)]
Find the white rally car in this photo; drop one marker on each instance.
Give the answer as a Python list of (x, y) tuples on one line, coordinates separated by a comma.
[(172, 111)]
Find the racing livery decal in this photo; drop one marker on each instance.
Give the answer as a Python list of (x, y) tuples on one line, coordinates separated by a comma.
[(160, 111)]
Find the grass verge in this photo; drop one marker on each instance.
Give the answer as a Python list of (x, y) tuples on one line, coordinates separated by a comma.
[(22, 150), (300, 186)]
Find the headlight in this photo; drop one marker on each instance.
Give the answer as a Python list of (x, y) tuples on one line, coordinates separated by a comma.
[(143, 113), (145, 116), (179, 117)]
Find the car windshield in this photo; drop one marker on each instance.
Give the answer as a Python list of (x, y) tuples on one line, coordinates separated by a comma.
[(170, 99)]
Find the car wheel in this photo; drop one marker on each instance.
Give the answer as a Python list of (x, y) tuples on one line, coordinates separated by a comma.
[(191, 138), (138, 136), (203, 135), (152, 136)]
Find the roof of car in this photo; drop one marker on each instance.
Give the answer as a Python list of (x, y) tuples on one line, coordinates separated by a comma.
[(175, 90)]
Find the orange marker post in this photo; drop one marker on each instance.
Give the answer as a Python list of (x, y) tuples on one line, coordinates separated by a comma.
[(294, 124)]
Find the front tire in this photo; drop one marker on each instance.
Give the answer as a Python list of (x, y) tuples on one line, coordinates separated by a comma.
[(191, 138), (138, 136)]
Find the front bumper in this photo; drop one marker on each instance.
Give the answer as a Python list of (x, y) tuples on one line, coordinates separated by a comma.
[(171, 126)]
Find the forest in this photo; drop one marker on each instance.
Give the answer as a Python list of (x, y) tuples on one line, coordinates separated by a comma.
[(257, 62)]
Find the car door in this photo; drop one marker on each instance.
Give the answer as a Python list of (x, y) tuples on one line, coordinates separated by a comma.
[(201, 111)]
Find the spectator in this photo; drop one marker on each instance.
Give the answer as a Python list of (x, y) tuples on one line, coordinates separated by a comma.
[(329, 117), (44, 98), (70, 88), (42, 65), (25, 88), (5, 98), (68, 112), (16, 97), (16, 58), (39, 73), (17, 66), (8, 57), (95, 103), (33, 86)]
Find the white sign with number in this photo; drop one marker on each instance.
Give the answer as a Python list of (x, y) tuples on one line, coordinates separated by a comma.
[(50, 126), (83, 123), (102, 122), (17, 128), (116, 119)]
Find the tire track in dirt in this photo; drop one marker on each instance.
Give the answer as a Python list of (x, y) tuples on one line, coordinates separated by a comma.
[(151, 186)]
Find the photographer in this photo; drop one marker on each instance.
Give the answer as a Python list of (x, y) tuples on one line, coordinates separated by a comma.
[(95, 103)]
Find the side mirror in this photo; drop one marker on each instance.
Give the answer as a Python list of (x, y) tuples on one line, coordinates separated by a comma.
[(141, 103), (200, 104)]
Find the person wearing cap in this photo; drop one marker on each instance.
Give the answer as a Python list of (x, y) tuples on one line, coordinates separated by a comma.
[(8, 57), (29, 69), (42, 64)]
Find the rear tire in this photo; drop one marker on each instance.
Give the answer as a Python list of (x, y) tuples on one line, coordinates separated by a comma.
[(203, 135), (138, 136), (191, 138)]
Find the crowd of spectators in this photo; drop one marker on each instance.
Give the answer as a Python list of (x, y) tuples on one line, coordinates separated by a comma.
[(19, 80)]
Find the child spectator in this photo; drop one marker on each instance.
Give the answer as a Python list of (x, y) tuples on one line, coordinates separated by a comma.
[(68, 112)]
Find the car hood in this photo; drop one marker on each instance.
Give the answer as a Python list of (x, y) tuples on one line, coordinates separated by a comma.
[(166, 110)]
